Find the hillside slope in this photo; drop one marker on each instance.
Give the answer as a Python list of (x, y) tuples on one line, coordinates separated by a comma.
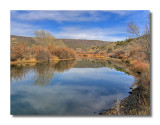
[(70, 43), (83, 44), (137, 48)]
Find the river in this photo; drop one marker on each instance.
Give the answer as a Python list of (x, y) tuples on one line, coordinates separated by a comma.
[(67, 88)]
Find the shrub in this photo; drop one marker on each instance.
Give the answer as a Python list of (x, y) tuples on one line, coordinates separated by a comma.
[(103, 52), (41, 54), (18, 51), (123, 57), (117, 53), (120, 43), (64, 53), (51, 48), (139, 65), (109, 49)]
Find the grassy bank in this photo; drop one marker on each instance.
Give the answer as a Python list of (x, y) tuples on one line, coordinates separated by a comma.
[(138, 102), (35, 61)]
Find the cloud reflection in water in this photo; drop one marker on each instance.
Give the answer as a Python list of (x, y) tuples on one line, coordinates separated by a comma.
[(78, 91)]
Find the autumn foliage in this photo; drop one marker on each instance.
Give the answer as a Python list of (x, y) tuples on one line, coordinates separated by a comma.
[(41, 54), (45, 49), (64, 53), (18, 51)]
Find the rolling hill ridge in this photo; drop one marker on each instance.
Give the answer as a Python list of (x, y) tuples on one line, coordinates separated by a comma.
[(70, 43)]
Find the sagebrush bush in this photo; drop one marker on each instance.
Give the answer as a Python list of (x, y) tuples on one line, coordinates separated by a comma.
[(18, 51), (64, 53), (41, 54)]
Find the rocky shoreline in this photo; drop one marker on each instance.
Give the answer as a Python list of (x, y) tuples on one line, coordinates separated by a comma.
[(137, 103)]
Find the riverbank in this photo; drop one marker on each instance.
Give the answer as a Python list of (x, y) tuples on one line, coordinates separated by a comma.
[(138, 102), (35, 61), (135, 104)]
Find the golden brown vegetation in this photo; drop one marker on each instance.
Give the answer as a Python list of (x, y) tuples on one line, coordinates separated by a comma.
[(45, 49), (18, 51), (64, 53), (42, 54)]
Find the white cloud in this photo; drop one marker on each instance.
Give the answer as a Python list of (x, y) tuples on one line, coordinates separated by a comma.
[(22, 29), (77, 32), (120, 12), (26, 28), (58, 15), (107, 74), (105, 34), (62, 99)]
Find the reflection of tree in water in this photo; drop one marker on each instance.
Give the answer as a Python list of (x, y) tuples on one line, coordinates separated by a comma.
[(45, 72), (63, 65), (19, 71), (115, 64)]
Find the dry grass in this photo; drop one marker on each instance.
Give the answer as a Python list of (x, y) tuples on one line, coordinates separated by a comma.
[(139, 65), (32, 60)]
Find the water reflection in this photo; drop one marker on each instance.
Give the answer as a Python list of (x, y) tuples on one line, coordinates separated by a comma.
[(68, 89), (44, 72), (19, 71), (64, 65)]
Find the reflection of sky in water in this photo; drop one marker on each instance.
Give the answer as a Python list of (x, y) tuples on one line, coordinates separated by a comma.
[(78, 91)]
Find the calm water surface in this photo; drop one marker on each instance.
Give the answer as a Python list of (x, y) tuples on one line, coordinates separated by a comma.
[(66, 88)]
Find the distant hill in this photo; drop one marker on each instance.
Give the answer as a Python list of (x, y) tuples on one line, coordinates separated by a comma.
[(84, 44), (28, 40), (125, 45), (71, 43)]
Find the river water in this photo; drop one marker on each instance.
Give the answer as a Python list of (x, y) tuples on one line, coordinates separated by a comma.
[(74, 87)]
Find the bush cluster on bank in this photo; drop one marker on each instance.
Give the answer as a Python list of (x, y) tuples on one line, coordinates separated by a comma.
[(45, 49), (20, 52)]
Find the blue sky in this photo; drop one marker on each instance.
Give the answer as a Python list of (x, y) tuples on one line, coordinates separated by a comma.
[(91, 25)]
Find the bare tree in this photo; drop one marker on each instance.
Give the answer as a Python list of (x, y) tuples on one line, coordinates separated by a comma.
[(147, 39), (44, 38), (133, 29), (144, 40)]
